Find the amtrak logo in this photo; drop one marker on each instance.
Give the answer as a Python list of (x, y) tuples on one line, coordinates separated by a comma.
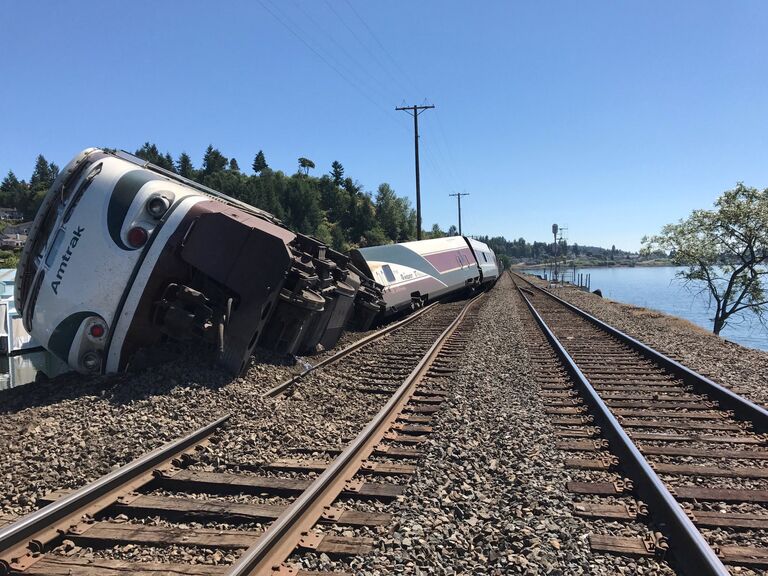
[(76, 235)]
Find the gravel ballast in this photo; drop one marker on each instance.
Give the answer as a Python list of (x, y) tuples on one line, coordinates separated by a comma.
[(489, 496)]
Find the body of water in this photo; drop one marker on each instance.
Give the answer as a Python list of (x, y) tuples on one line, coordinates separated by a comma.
[(659, 289)]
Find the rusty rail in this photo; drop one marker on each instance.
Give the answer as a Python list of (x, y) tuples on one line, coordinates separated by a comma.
[(285, 534), (363, 342), (21, 540)]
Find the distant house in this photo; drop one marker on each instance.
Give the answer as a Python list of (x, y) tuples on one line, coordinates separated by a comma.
[(13, 240), (22, 228), (10, 214)]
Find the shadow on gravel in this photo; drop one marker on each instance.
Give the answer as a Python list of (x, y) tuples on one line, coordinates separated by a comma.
[(163, 370)]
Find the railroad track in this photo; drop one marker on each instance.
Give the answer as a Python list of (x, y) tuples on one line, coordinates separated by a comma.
[(156, 500), (652, 443)]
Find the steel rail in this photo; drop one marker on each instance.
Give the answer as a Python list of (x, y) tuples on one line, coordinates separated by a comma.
[(56, 517), (743, 408), (283, 535), (689, 545), (347, 351)]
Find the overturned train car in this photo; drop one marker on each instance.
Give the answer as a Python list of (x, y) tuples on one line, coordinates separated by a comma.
[(123, 253), (414, 273)]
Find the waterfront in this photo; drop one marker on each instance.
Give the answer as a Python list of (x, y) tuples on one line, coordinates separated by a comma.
[(658, 288)]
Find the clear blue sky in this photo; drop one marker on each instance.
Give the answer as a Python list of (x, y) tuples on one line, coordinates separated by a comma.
[(613, 118)]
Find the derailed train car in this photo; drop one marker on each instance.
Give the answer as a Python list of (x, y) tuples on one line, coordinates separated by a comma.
[(414, 273), (123, 253)]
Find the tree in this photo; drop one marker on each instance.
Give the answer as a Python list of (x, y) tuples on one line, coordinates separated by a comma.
[(184, 166), (259, 162), (213, 161), (233, 165), (306, 164), (575, 249), (725, 251), (436, 232), (452, 230), (337, 173), (613, 252), (43, 175)]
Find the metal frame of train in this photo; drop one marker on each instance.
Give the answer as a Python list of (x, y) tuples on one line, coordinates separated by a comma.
[(123, 254)]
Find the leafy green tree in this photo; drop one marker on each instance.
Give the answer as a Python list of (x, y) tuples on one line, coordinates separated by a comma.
[(213, 161), (337, 173), (259, 162), (452, 230), (184, 166), (305, 164), (435, 232), (725, 251)]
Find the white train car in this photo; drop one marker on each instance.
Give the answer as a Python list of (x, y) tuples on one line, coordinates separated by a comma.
[(414, 273), (123, 254)]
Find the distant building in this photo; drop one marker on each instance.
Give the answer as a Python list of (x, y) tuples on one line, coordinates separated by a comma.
[(13, 240), (10, 214), (22, 228)]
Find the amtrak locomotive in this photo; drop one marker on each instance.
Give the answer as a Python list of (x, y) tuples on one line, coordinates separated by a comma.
[(123, 253)]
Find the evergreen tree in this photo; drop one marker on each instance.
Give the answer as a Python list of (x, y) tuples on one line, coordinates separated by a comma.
[(233, 165), (259, 162), (43, 175), (184, 166), (213, 161), (167, 162), (337, 173)]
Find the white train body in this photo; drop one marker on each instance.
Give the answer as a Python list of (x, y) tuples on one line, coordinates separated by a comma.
[(413, 273)]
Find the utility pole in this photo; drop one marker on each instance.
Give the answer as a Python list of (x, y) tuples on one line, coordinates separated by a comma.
[(458, 198), (415, 111)]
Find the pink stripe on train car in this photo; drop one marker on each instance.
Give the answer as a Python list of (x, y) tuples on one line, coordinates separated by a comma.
[(447, 261)]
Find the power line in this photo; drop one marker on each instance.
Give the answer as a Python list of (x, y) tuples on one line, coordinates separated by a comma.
[(383, 48), (292, 29), (366, 47), (377, 84), (415, 111)]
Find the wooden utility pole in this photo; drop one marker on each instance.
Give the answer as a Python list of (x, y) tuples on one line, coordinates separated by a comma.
[(415, 111), (458, 199)]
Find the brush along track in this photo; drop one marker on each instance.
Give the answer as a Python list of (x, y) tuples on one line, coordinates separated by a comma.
[(621, 407), (153, 504)]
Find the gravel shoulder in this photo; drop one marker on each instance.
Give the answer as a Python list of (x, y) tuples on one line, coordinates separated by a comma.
[(727, 363)]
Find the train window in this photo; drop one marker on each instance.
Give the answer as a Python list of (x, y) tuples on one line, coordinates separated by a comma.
[(54, 249), (484, 256), (388, 273)]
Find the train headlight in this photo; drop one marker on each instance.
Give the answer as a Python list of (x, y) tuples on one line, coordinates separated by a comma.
[(91, 361), (157, 206)]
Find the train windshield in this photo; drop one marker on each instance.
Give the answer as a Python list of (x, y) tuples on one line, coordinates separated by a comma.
[(56, 208)]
